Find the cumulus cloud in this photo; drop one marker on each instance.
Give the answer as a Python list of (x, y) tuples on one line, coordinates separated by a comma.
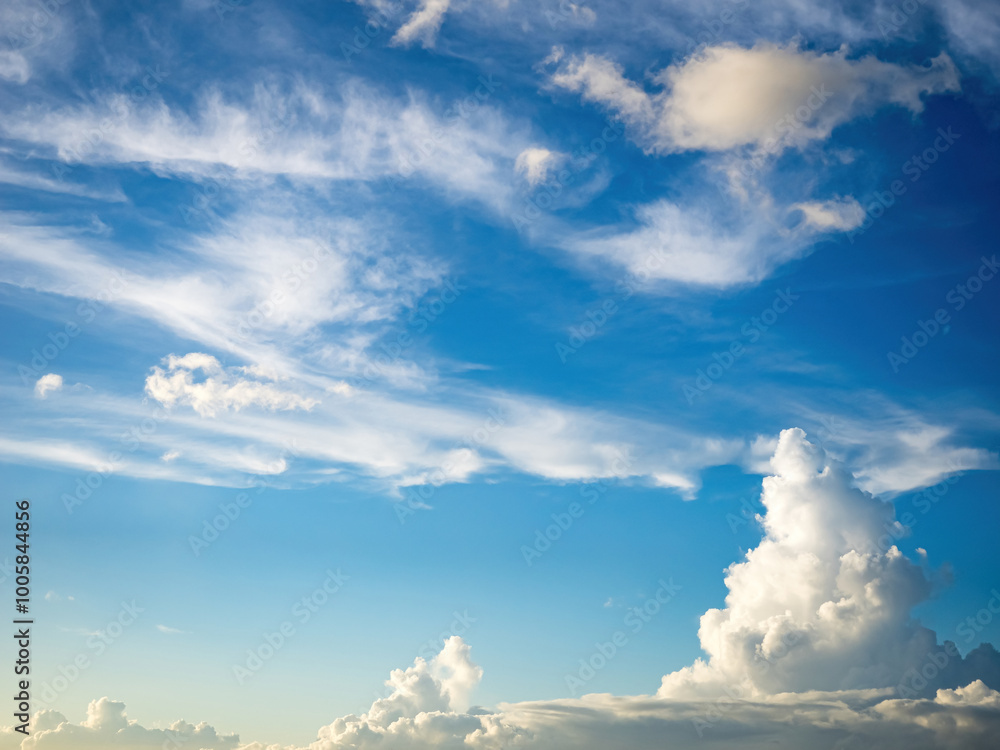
[(824, 601), (107, 726), (220, 391), (425, 706), (966, 718), (419, 714), (48, 383), (768, 96), (815, 646)]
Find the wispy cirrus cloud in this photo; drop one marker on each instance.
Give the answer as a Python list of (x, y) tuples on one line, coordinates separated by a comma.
[(298, 130), (423, 24)]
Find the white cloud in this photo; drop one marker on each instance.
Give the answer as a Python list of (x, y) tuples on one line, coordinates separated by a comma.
[(14, 67), (255, 285), (220, 391), (301, 130), (557, 442), (685, 245), (839, 214), (458, 466), (712, 239), (814, 648), (107, 726), (919, 456), (35, 35), (749, 105), (34, 181), (535, 164), (892, 449), (823, 602), (768, 96), (58, 452), (579, 14), (603, 81), (48, 383), (420, 713), (973, 28), (423, 24), (398, 439), (98, 464)]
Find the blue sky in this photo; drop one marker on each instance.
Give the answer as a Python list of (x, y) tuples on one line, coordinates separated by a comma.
[(400, 286)]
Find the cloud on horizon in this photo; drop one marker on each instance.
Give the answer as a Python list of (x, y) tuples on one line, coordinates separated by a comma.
[(815, 647)]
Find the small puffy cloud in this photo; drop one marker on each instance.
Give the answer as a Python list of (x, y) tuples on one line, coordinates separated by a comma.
[(535, 164), (219, 391), (47, 383), (423, 25), (842, 214), (168, 630), (768, 96)]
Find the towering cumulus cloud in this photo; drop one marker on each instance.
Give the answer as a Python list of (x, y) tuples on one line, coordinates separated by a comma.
[(815, 647), (824, 602)]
